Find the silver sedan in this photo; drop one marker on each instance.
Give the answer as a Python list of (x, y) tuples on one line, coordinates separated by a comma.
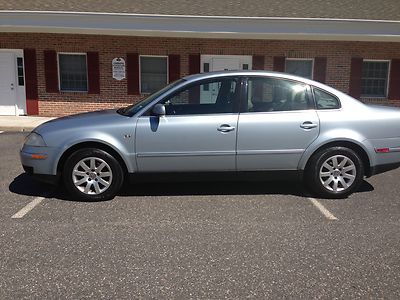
[(232, 124)]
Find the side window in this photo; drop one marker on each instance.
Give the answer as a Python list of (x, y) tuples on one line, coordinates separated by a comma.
[(325, 100), (271, 94), (219, 97)]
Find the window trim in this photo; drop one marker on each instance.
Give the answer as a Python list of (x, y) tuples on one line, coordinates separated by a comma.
[(389, 61), (140, 71), (59, 73), (302, 59)]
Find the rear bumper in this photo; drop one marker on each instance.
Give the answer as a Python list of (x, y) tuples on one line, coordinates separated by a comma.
[(383, 168)]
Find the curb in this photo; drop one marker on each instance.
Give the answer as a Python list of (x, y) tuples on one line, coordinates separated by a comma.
[(17, 129)]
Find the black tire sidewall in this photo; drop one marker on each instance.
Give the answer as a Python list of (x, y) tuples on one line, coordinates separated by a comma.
[(74, 158), (312, 173)]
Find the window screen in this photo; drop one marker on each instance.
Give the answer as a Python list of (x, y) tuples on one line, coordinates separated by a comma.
[(153, 73), (73, 72), (374, 78), (301, 68)]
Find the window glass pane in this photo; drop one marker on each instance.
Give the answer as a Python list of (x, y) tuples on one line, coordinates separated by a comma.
[(325, 100), (374, 78), (269, 94), (206, 67), (20, 71), (301, 68), (153, 73), (73, 73), (220, 98)]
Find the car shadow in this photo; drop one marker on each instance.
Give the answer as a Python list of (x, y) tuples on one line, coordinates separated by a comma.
[(26, 185)]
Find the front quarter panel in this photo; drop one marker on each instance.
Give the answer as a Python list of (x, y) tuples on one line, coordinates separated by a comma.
[(117, 134)]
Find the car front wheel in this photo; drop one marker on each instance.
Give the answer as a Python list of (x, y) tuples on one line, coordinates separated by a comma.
[(92, 175), (335, 172)]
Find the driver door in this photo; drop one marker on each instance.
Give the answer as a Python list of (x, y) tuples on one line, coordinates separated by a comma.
[(197, 133)]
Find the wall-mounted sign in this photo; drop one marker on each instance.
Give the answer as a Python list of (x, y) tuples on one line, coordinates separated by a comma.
[(118, 68)]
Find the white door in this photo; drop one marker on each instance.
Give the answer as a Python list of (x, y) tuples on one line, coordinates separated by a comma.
[(8, 91), (224, 64)]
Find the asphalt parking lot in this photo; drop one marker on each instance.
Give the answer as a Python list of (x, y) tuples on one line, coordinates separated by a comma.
[(207, 240)]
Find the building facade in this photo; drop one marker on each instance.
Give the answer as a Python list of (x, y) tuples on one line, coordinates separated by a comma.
[(58, 63)]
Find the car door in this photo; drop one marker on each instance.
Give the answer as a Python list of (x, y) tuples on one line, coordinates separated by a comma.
[(276, 124), (197, 133)]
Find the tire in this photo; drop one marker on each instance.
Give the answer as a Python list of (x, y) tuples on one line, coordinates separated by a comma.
[(334, 172), (92, 175)]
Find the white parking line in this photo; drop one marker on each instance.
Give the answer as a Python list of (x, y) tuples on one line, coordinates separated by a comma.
[(23, 211), (322, 209)]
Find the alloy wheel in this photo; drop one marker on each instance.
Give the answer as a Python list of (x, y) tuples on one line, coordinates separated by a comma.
[(337, 173), (92, 176)]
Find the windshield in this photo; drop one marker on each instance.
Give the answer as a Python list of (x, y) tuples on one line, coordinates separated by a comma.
[(134, 108)]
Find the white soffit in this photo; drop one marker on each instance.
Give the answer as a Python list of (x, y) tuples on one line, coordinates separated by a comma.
[(200, 26)]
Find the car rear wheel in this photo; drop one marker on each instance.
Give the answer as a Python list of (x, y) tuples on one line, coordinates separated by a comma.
[(335, 172), (92, 175)]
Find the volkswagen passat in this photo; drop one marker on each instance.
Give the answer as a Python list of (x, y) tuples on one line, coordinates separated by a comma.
[(233, 122)]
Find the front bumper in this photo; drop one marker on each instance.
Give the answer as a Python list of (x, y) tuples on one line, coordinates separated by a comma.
[(40, 163)]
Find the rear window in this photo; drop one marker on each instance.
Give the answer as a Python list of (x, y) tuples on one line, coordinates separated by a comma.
[(325, 100)]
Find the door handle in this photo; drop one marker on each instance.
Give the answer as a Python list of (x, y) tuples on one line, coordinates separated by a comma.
[(308, 125), (12, 86), (225, 128)]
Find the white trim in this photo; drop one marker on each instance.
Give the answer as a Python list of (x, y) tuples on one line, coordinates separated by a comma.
[(58, 72), (303, 59), (387, 79), (140, 70), (200, 26)]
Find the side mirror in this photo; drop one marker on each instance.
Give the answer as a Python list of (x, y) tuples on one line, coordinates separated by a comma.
[(158, 110)]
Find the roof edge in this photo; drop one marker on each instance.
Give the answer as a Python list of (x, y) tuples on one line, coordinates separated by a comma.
[(56, 12)]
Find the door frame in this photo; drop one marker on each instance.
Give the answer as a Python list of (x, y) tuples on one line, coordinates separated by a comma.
[(20, 90)]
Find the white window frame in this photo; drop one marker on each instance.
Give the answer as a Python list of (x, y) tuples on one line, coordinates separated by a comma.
[(303, 59), (387, 78), (140, 70), (58, 71)]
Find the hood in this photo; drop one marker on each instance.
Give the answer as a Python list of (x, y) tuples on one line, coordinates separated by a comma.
[(80, 121)]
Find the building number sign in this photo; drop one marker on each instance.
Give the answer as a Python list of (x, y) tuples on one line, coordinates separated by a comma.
[(118, 68)]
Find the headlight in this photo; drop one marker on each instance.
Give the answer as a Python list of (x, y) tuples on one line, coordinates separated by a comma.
[(35, 139)]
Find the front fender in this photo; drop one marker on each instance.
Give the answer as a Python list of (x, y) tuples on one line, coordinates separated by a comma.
[(122, 148)]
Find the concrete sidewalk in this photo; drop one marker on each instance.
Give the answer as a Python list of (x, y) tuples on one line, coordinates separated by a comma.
[(21, 123)]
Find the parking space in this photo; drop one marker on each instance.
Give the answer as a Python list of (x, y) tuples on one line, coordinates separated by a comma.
[(197, 240)]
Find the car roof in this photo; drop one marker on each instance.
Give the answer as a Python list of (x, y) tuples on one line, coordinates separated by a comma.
[(216, 74)]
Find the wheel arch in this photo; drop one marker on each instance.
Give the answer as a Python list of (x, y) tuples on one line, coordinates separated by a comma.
[(91, 144), (348, 144)]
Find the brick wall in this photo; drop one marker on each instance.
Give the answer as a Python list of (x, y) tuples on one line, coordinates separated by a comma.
[(113, 93)]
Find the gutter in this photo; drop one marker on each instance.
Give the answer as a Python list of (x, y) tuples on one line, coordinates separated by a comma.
[(187, 26)]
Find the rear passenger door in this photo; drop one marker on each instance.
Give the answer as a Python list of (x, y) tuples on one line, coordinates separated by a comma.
[(276, 124), (198, 132)]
